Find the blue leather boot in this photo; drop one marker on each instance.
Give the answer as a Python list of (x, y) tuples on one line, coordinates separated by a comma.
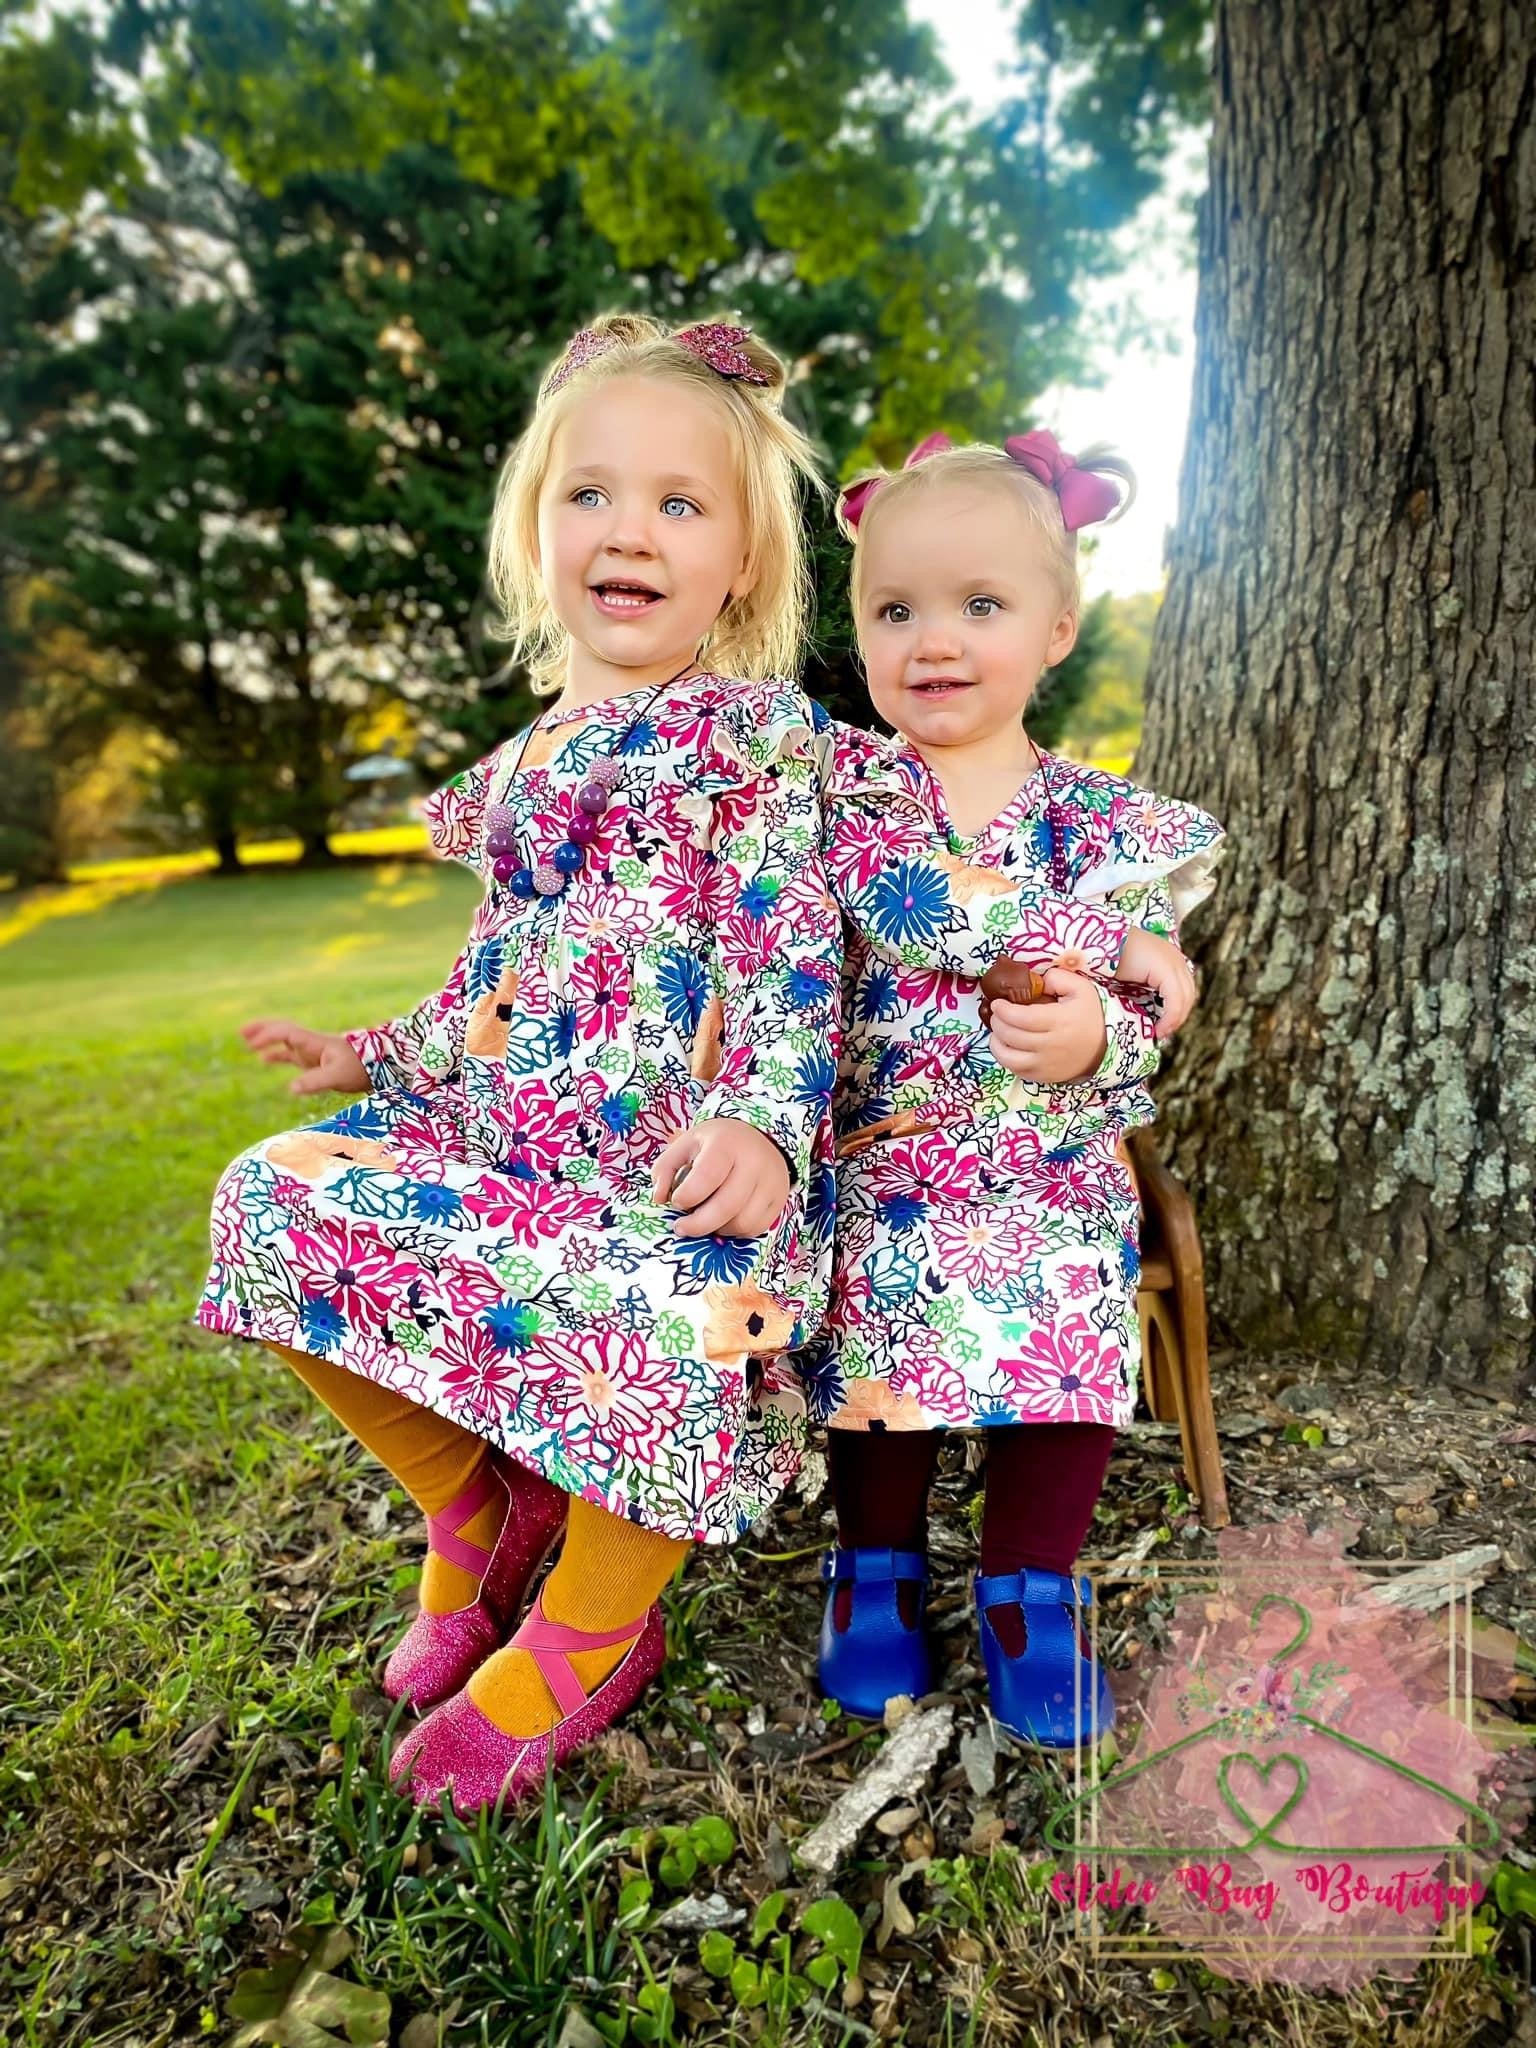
[(1052, 1696), (877, 1656)]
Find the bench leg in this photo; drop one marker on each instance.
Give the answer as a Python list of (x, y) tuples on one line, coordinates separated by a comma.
[(1157, 1357), (1169, 1364)]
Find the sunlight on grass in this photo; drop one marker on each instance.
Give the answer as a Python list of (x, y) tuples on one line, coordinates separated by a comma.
[(265, 853), (152, 968), (82, 899)]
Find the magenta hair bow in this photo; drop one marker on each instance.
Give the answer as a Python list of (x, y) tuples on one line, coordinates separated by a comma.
[(853, 500), (1084, 497), (712, 341)]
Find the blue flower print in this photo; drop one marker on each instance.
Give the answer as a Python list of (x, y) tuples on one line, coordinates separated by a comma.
[(822, 1378), (324, 1323), (512, 1324), (815, 1078), (363, 1119), (718, 1258), (806, 988), (877, 997), (760, 895), (820, 1204), (684, 983), (434, 1203), (900, 1212), (910, 902), (619, 1112)]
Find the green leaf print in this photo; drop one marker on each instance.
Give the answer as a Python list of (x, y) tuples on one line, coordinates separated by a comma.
[(631, 872), (674, 1337), (562, 1473), (593, 1297), (409, 1336), (519, 1274), (943, 1314)]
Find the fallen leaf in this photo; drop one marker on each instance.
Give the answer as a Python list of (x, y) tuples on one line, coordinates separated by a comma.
[(578, 2032), (987, 1830), (896, 1916), (430, 2030), (300, 2004), (978, 1758), (898, 1820), (623, 1747), (194, 1750), (1413, 1491)]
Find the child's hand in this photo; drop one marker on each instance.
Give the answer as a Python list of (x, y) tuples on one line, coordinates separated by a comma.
[(328, 1062), (736, 1183), (1052, 1042), (1160, 964)]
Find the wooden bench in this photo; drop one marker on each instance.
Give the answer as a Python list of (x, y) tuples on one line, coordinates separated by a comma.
[(1170, 1300)]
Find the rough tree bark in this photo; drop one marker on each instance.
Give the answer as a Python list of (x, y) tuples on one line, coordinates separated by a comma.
[(1344, 672)]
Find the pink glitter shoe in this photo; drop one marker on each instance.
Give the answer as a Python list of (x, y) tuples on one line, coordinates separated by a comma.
[(457, 1748), (438, 1652)]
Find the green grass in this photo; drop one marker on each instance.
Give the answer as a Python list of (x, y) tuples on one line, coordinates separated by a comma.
[(199, 1573)]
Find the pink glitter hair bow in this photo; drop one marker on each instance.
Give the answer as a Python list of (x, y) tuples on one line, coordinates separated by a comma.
[(712, 341), (1084, 497)]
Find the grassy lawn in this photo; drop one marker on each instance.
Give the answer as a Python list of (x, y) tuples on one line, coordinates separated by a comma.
[(200, 1575)]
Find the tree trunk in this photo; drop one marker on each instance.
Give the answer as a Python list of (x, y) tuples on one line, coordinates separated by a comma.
[(311, 769), (1344, 672)]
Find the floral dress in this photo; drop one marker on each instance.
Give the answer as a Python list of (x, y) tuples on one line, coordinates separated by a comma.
[(479, 1232), (986, 1256)]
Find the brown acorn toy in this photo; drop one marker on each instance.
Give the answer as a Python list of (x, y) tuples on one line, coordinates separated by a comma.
[(1010, 981)]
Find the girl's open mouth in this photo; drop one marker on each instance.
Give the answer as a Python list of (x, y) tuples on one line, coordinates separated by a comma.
[(625, 600), (940, 687)]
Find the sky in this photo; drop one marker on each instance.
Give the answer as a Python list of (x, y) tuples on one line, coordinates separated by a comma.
[(1141, 407)]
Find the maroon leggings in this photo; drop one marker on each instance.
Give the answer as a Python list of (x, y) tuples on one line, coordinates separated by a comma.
[(1043, 1482)]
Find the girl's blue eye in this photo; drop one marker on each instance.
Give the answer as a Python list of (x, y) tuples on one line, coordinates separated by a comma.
[(588, 496), (686, 505), (990, 603), (896, 612)]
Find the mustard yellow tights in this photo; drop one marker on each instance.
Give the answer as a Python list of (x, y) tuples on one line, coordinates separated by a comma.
[(433, 1459)]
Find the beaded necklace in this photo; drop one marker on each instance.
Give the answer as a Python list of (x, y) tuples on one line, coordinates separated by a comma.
[(1057, 825), (552, 877)]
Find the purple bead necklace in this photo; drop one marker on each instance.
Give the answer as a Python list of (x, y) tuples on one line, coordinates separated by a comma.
[(1056, 825), (552, 877)]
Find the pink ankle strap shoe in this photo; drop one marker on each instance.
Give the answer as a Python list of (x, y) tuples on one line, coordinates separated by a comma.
[(439, 1652), (457, 1749)]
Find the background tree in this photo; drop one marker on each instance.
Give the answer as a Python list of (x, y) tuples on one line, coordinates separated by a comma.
[(1343, 672), (285, 278)]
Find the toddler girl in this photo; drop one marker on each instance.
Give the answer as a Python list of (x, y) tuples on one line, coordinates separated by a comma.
[(470, 1266), (986, 1256)]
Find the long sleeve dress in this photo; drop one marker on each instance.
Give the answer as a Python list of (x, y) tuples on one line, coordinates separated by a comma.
[(986, 1252), (478, 1232)]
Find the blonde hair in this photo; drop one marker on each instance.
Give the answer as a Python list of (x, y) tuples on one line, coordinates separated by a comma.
[(759, 633), (980, 462)]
